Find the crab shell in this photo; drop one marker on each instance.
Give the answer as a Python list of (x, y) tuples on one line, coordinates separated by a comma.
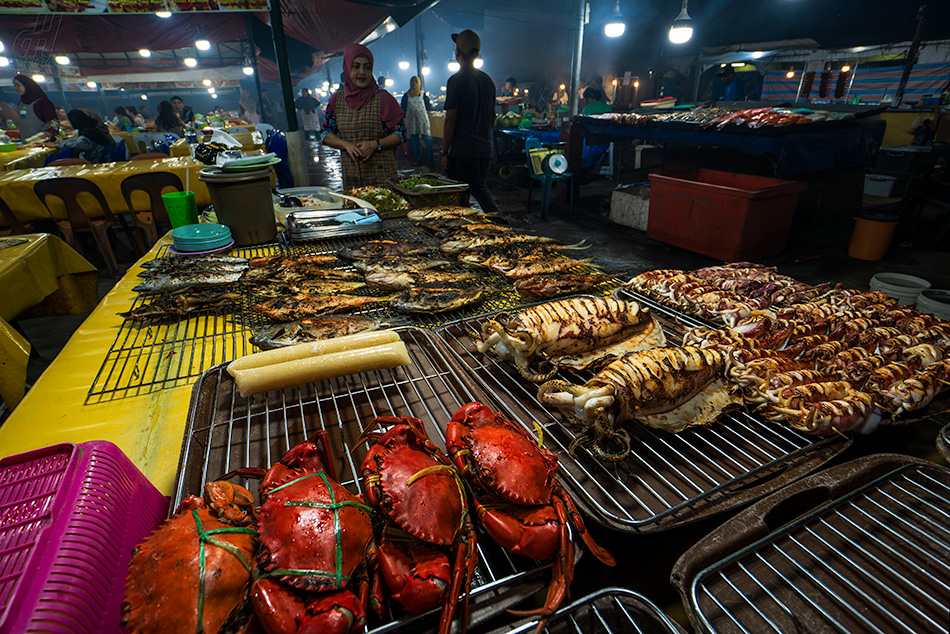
[(419, 492), (500, 456), (163, 584)]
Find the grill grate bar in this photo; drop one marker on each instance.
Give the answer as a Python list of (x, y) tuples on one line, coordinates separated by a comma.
[(767, 591)]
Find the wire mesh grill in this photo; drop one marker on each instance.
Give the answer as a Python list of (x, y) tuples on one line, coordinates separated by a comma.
[(877, 560), (226, 431), (149, 356), (613, 610), (668, 479)]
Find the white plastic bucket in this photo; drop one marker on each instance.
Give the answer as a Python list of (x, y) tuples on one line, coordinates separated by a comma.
[(934, 302), (903, 288)]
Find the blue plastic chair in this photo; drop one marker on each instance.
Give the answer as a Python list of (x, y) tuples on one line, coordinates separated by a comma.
[(114, 153), (547, 180), (64, 153)]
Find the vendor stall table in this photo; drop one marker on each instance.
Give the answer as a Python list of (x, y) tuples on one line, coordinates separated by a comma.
[(24, 159), (39, 272), (16, 187), (250, 142)]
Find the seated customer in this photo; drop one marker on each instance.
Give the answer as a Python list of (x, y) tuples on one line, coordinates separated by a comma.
[(168, 120), (92, 135), (594, 102)]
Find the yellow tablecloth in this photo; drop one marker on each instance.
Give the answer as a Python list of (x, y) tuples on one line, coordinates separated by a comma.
[(16, 187), (43, 270), (127, 137), (148, 427), (24, 159)]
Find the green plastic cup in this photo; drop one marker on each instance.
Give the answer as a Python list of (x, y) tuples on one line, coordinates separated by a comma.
[(181, 208)]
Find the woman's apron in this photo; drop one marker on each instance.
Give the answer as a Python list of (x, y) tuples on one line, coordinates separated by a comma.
[(364, 124)]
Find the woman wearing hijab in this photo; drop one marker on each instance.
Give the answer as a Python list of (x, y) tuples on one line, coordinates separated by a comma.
[(249, 107), (168, 120), (308, 111), (363, 122), (416, 106), (92, 135), (36, 112)]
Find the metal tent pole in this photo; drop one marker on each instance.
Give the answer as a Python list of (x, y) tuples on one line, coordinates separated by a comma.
[(420, 53), (295, 141), (578, 52), (911, 57)]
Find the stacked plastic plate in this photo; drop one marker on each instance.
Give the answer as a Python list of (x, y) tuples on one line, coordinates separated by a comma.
[(200, 239)]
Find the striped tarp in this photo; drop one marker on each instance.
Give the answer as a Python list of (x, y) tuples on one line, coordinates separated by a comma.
[(870, 84), (777, 87)]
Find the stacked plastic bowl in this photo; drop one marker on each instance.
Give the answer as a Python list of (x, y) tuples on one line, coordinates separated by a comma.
[(201, 238)]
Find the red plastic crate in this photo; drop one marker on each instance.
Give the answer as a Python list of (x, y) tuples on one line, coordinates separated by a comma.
[(70, 515), (724, 215)]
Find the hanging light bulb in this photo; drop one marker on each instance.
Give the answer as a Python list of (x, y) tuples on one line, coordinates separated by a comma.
[(404, 65), (1, 47), (4, 61), (211, 90), (790, 74), (479, 62), (616, 26), (425, 70), (454, 67), (248, 70), (214, 96), (206, 82), (191, 62), (144, 97), (682, 28), (144, 52), (90, 84), (39, 79), (201, 42), (163, 14)]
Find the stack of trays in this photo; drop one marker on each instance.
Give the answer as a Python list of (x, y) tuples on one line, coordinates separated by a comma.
[(204, 238), (318, 225)]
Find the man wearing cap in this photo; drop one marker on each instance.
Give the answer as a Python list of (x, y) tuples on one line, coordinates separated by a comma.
[(732, 88), (467, 141)]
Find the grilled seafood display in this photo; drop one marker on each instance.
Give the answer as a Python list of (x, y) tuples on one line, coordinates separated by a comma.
[(550, 285), (183, 264), (437, 297), (536, 265), (177, 305), (396, 263), (462, 242), (664, 388), (294, 332), (427, 213), (508, 255), (377, 248), (576, 332), (190, 280), (401, 280), (302, 306), (306, 287)]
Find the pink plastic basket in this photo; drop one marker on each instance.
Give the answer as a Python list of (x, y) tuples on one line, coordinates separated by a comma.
[(70, 515)]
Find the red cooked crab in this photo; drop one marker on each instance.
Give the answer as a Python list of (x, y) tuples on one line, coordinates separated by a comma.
[(165, 590), (415, 484), (518, 499), (317, 550)]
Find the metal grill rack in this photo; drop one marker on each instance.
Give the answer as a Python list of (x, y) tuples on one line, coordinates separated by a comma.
[(145, 357), (668, 479), (872, 561), (226, 431), (609, 611)]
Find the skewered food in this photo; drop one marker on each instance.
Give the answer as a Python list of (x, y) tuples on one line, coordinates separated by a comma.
[(437, 297), (302, 306), (305, 330), (576, 332), (177, 305), (401, 280), (664, 388), (547, 286)]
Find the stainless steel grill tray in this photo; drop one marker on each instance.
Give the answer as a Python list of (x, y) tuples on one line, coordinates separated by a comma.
[(876, 558), (226, 431), (669, 479), (610, 610)]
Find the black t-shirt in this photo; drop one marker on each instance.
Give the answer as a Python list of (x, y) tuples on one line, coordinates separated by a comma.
[(472, 94)]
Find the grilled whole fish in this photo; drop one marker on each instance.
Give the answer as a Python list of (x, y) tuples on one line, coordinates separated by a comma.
[(178, 269), (303, 306), (437, 298), (536, 265), (171, 283), (568, 328), (311, 259), (446, 210), (191, 260), (185, 264), (377, 248), (181, 304), (294, 332), (458, 243), (296, 275), (506, 255), (327, 287), (448, 223), (401, 280), (397, 264), (549, 285)]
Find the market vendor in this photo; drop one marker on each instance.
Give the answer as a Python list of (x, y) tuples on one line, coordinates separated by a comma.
[(363, 121), (36, 112)]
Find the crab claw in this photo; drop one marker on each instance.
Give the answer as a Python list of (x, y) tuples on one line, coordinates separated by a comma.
[(417, 575), (531, 531), (282, 610)]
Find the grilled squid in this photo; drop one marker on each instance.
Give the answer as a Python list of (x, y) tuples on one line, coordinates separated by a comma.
[(574, 333), (664, 388)]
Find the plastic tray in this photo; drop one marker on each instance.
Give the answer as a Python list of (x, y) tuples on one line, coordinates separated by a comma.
[(70, 515)]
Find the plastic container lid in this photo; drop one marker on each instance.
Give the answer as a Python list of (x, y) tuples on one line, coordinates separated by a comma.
[(191, 234), (904, 288), (934, 301), (217, 176)]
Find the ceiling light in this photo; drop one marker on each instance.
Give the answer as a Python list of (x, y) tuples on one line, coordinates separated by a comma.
[(206, 82), (614, 82), (91, 84), (442, 88), (790, 74), (202, 45), (390, 82), (144, 52), (454, 67), (738, 64), (404, 65), (682, 28), (757, 54), (163, 14), (144, 97), (479, 62), (122, 88), (390, 27), (425, 70), (636, 84), (562, 87), (39, 79), (211, 90), (4, 61), (62, 60), (214, 96), (845, 69), (191, 61), (336, 86), (616, 26), (248, 70), (326, 83), (1, 47)]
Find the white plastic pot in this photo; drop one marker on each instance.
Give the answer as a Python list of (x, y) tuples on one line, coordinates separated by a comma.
[(903, 288), (934, 302)]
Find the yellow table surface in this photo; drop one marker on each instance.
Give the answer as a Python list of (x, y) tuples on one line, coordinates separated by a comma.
[(148, 427), (24, 159), (16, 187), (29, 273)]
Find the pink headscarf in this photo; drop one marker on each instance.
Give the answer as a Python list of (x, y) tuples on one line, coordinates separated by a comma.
[(356, 97)]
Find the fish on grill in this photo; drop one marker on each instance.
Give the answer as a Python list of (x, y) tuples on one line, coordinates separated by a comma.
[(303, 306), (537, 265), (550, 285), (297, 274), (190, 260), (437, 298), (294, 332), (185, 264), (448, 223), (318, 287), (181, 304), (394, 263), (377, 248), (401, 280), (277, 261), (427, 213), (484, 257), (174, 282), (463, 242)]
